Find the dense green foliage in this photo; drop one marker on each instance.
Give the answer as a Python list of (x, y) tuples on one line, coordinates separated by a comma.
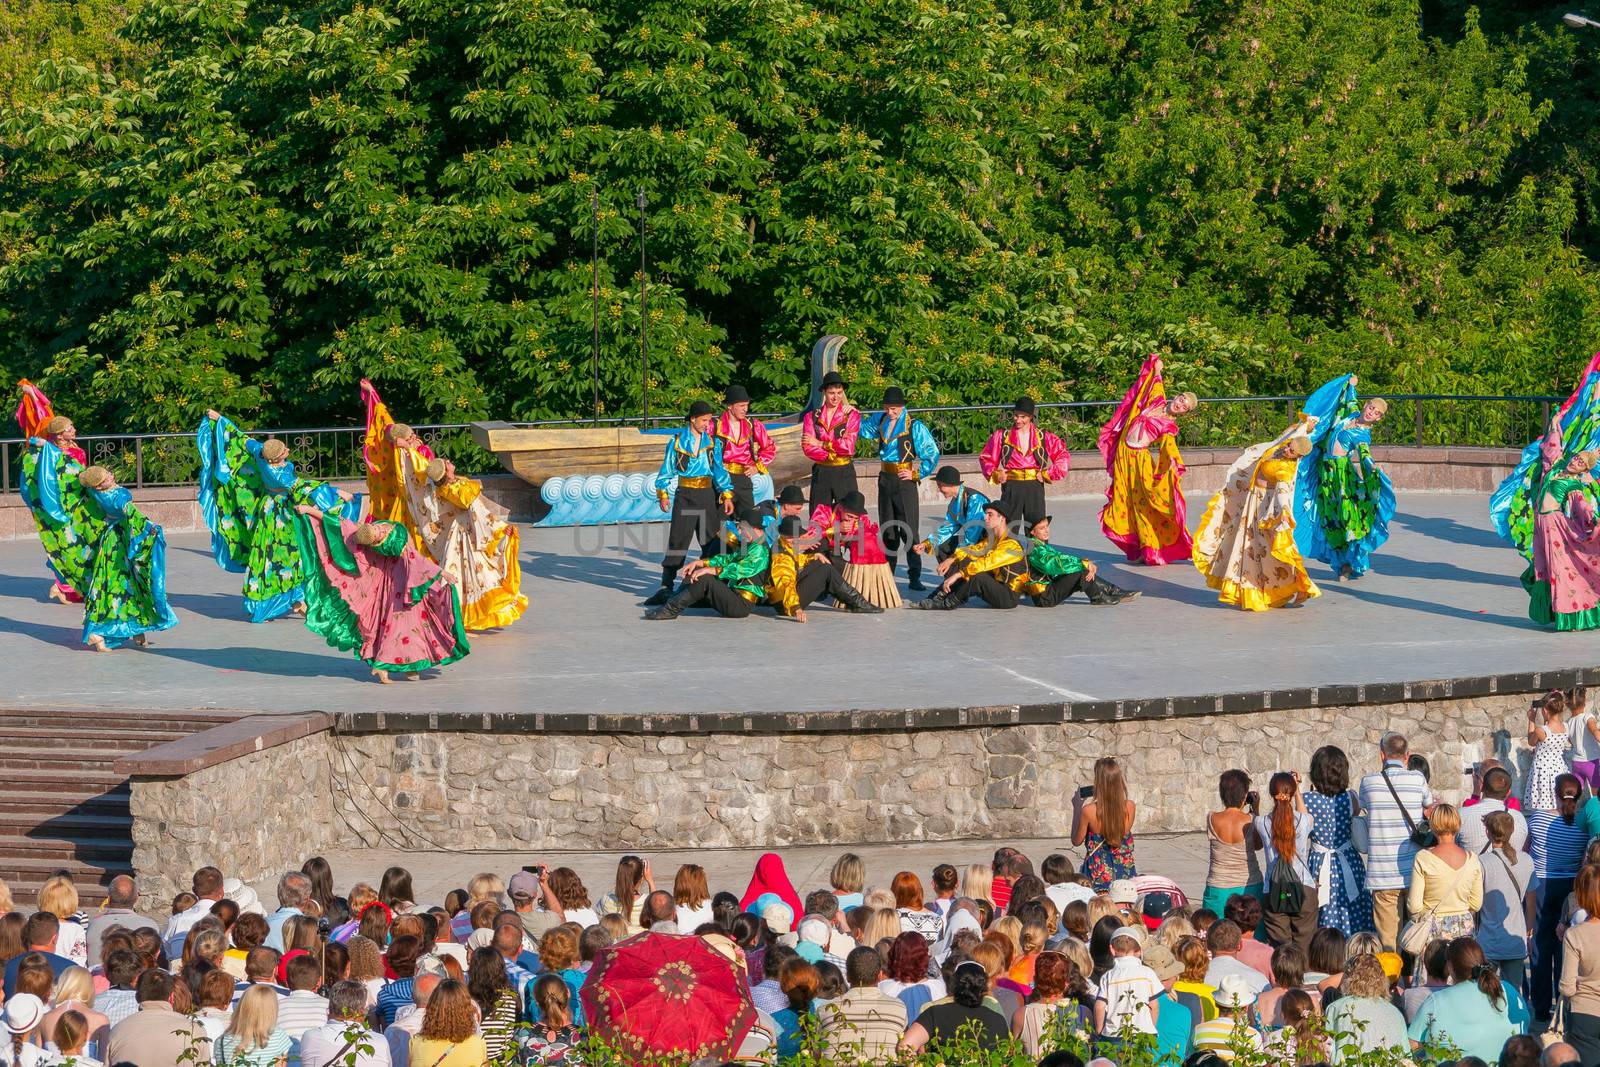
[(986, 196)]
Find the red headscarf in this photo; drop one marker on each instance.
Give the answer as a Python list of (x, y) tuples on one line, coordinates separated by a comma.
[(770, 877)]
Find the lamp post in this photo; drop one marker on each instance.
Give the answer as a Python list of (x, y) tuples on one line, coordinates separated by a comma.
[(1580, 22), (644, 320), (594, 284)]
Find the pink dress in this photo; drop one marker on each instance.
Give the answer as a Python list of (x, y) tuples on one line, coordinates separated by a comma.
[(1564, 580)]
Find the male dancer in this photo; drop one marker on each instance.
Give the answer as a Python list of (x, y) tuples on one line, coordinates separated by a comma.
[(908, 454), (800, 576), (694, 458), (828, 438), (1055, 574), (747, 448), (995, 568), (730, 584), (963, 516), (1022, 460)]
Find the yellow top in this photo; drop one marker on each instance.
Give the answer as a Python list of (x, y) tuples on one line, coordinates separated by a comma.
[(430, 1052), (1434, 881), (991, 554), (1276, 469), (787, 563), (461, 492)]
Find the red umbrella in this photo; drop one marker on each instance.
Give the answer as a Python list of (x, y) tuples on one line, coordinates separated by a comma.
[(657, 994)]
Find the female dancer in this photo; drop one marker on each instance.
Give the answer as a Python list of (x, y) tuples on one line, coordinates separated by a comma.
[(1245, 544), (1144, 514), (125, 592), (1563, 580), (1511, 508), (385, 441), (1342, 501), (369, 591), (53, 455), (248, 490)]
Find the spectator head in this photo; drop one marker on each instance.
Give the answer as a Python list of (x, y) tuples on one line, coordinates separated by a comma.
[(508, 936), (361, 894), (1056, 869), (863, 967), (689, 886), (1191, 952), (946, 880), (908, 959), (878, 897), (779, 918), (659, 907), (550, 993), (122, 892), (366, 959), (422, 989), (216, 990), (154, 985), (207, 884), (1364, 943), (1026, 888), (1330, 771), (558, 949), (255, 1017), (881, 924), (1586, 890), (849, 874), (776, 957), (568, 888), (1419, 763), (1496, 783), (1233, 787), (823, 904), (1050, 973), (1128, 941), (12, 924), (303, 973), (617, 926), (41, 932), (814, 931), (227, 912), (403, 953), (1326, 953), (487, 886), (455, 901), (907, 889), (978, 882), (250, 931), (830, 981), (1467, 963), (451, 1015), (1075, 919), (1244, 911), (1202, 919), (1569, 794), (294, 889), (524, 891), (35, 977), (1559, 1054), (1393, 746), (182, 902), (122, 968), (394, 888), (347, 1001), (1288, 965), (482, 915), (72, 1033), (592, 940), (798, 981), (1224, 938), (1520, 1051), (261, 965), (969, 984)]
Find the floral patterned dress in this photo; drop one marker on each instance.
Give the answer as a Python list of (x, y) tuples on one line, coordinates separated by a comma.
[(59, 511), (1346, 906), (1104, 863), (125, 594)]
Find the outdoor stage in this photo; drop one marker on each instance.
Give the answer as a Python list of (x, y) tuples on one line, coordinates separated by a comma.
[(1443, 601)]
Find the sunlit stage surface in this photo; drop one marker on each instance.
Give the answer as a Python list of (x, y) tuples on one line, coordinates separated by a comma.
[(1443, 601)]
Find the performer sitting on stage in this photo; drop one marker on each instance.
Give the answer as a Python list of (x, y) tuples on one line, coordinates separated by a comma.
[(1022, 460), (1055, 574), (125, 588), (908, 454), (1563, 581), (1245, 544), (963, 516), (369, 591), (747, 448), (694, 458), (1342, 501), (1144, 513), (995, 568), (382, 447), (800, 576), (53, 456), (867, 568), (828, 439), (730, 584), (470, 536)]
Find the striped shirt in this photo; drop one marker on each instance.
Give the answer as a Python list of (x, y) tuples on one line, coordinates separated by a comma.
[(116, 1004), (1557, 847), (393, 997), (1392, 854), (300, 1011)]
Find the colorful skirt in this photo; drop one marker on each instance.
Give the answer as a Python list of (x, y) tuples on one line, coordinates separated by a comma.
[(1145, 515), (1353, 524), (1542, 611), (875, 582), (1273, 586)]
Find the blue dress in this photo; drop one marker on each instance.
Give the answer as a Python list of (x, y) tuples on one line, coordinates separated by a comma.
[(1347, 907)]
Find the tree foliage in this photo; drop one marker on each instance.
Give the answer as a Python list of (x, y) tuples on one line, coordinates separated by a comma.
[(987, 196)]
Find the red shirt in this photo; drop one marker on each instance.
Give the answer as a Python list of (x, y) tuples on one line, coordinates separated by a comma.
[(1001, 893)]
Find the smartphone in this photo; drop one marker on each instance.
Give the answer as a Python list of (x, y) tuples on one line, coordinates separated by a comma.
[(1253, 799), (1086, 791), (537, 868)]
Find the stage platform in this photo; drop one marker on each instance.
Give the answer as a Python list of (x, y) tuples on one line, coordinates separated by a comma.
[(1442, 602)]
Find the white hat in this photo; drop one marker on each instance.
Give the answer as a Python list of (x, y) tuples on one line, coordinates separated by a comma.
[(1234, 992), (1133, 933), (1123, 891), (814, 930), (779, 918), (244, 896), (23, 1013)]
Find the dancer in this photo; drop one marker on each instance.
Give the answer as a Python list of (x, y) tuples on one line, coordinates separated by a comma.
[(1022, 461), (1245, 544), (470, 536), (867, 567), (800, 576), (747, 448), (731, 584), (1055, 574), (694, 460), (828, 439), (248, 492), (1144, 514), (1511, 507), (53, 456), (908, 454), (963, 516), (1563, 579), (381, 448), (369, 591), (995, 568), (1342, 501), (125, 590)]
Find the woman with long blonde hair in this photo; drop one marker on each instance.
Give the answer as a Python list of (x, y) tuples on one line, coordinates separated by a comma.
[(883, 924), (1103, 824), (253, 1038), (978, 882), (74, 991)]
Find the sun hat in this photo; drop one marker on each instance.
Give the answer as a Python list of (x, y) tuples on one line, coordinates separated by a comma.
[(1234, 992), (23, 1013)]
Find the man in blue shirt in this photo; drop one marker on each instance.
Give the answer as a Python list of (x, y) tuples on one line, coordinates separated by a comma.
[(705, 493), (907, 454), (963, 516), (39, 936)]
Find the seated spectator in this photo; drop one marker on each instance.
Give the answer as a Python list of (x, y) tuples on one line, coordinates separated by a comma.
[(39, 935), (449, 1034), (1325, 962), (1191, 987), (1223, 941), (215, 1003), (122, 901), (1230, 1033), (915, 916), (71, 1040), (964, 1015), (155, 1033), (558, 952), (866, 1021), (118, 1000), (253, 1038), (1474, 1013), (946, 881), (1288, 972), (1058, 989), (554, 1038), (767, 994), (344, 1040), (1300, 1039), (497, 1002), (566, 896), (1435, 974), (798, 981), (408, 1021), (848, 877), (19, 1044), (1062, 883), (74, 991), (1363, 1019), (304, 1008)]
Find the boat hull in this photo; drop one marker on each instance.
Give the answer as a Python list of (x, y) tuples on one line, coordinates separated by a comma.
[(535, 455)]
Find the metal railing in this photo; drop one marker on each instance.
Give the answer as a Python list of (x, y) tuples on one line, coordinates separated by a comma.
[(333, 453)]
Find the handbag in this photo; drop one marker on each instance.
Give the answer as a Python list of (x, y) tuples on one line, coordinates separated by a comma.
[(1285, 894), (1422, 834), (1556, 1032)]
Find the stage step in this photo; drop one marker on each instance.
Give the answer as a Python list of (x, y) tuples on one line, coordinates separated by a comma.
[(42, 737), (74, 825)]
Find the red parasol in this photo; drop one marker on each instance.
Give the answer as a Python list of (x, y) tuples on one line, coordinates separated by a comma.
[(658, 994)]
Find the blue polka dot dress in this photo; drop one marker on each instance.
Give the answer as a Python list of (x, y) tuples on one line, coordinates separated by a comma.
[(1348, 906)]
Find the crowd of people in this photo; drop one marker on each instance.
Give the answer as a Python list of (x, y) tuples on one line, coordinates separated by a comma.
[(1344, 916)]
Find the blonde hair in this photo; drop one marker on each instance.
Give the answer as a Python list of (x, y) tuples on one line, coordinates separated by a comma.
[(849, 873), (95, 477), (1298, 445), (1446, 819), (75, 984), (7, 905), (1010, 927), (1173, 928), (1032, 938), (274, 450), (1380, 403), (990, 956), (487, 887), (978, 881), (57, 425), (254, 1018), (882, 923), (1078, 953), (1366, 943), (879, 897), (58, 896), (1189, 399), (1100, 906), (399, 431)]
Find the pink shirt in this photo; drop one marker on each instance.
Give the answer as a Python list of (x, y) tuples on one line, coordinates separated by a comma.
[(1017, 450)]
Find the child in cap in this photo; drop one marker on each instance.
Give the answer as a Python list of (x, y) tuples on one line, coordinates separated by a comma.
[(1126, 998)]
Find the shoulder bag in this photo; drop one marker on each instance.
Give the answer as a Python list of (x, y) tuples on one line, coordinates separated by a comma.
[(1418, 932), (1422, 834)]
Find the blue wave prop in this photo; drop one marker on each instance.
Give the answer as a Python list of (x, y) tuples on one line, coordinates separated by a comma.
[(606, 499)]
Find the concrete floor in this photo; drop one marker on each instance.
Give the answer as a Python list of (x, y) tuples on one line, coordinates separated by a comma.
[(1443, 600)]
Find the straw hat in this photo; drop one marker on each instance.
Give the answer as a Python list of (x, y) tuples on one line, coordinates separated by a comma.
[(436, 469), (368, 534), (399, 431), (1234, 992), (95, 477), (274, 450)]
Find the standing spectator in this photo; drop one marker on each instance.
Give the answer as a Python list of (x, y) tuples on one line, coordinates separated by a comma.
[(915, 917), (344, 1040), (1223, 941), (866, 1022), (1395, 800), (498, 1004), (554, 1038), (1341, 877), (122, 897), (1583, 738), (1496, 796), (1286, 847), (1232, 868), (449, 1034), (294, 889), (1547, 736), (1473, 1013), (1103, 825), (1446, 880), (692, 897), (304, 1008), (1580, 969), (1557, 841), (156, 1035), (21, 1017), (1363, 1019), (945, 883), (848, 877)]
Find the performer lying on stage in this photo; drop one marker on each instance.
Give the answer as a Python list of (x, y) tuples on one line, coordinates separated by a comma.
[(963, 516), (1342, 501), (800, 576), (1022, 461), (995, 568), (1055, 574), (694, 459), (52, 457), (908, 454), (1145, 513), (1563, 581), (125, 591), (730, 584)]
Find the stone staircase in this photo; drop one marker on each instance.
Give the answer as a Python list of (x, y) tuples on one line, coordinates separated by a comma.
[(62, 806)]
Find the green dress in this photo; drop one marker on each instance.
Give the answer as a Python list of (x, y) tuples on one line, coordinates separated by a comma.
[(125, 593), (61, 510)]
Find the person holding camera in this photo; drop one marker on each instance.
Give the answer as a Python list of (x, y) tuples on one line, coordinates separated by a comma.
[(1102, 822), (1396, 801), (1233, 869)]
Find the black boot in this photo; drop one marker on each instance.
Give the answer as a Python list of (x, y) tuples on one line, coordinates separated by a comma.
[(659, 597), (939, 601), (914, 575), (1102, 593), (670, 608), (850, 598)]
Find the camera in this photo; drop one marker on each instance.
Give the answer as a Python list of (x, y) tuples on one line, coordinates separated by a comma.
[(1086, 791)]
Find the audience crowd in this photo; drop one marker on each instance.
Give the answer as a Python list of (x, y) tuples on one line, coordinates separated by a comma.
[(1345, 917)]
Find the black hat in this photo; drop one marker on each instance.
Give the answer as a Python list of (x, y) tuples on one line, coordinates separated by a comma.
[(893, 397), (832, 378), (791, 527), (700, 407), (736, 394), (1000, 507), (853, 503), (1024, 405), (791, 494), (1036, 522), (947, 475), (753, 517)]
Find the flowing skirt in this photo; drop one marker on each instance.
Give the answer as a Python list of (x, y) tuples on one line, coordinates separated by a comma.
[(1144, 515), (126, 593), (1354, 505), (1263, 569), (1563, 581), (875, 581)]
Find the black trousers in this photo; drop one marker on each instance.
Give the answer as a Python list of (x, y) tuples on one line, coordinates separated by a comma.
[(1025, 500), (820, 577), (718, 595), (899, 520), (830, 484), (994, 592), (1547, 947), (1583, 1034), (695, 515), (1061, 588), (744, 493)]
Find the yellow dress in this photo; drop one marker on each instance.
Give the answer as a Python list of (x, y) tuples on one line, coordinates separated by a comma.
[(468, 535), (1245, 545)]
